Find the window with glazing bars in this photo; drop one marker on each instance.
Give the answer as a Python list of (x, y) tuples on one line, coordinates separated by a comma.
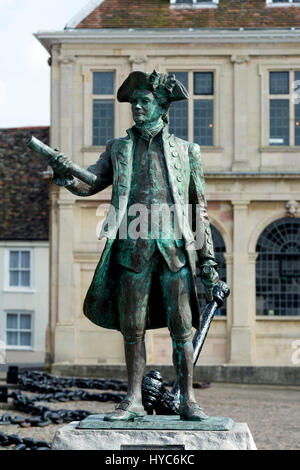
[(284, 108), (103, 107), (19, 329), (297, 107), (193, 119), (287, 2), (19, 268), (219, 247), (195, 2), (278, 269)]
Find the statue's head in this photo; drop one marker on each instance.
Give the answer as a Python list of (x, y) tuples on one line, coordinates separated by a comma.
[(150, 95), (146, 107)]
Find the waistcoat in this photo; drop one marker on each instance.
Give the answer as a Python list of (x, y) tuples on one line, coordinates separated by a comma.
[(149, 186)]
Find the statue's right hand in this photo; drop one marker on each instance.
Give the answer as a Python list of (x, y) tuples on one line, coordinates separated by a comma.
[(61, 164), (63, 180)]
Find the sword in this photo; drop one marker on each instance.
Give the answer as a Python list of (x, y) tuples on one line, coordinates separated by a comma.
[(155, 395), (219, 293)]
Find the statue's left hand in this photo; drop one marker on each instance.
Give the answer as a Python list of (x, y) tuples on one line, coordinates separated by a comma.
[(209, 278), (220, 291)]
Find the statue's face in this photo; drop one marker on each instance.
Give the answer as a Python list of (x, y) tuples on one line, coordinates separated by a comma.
[(145, 107)]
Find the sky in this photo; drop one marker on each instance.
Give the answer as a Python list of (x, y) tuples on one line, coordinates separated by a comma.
[(24, 72)]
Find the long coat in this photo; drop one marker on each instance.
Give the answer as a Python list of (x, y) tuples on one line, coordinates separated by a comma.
[(186, 180)]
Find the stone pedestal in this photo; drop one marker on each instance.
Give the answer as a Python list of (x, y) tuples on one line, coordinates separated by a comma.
[(154, 433)]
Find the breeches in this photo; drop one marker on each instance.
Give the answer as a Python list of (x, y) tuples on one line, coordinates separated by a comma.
[(133, 297)]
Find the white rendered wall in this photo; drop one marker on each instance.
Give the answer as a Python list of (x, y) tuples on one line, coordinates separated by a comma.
[(35, 300)]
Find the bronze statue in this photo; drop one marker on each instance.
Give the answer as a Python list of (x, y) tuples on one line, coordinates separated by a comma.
[(148, 281)]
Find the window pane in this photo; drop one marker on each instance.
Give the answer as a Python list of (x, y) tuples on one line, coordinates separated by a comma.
[(181, 77), (25, 259), (12, 338), (25, 322), (14, 259), (103, 121), (178, 117), (13, 278), (297, 109), (279, 83), (25, 278), (297, 124), (103, 83), (12, 321), (203, 122), (278, 269), (25, 339), (279, 122), (203, 83)]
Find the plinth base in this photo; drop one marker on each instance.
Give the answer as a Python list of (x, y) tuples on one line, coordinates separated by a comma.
[(154, 433)]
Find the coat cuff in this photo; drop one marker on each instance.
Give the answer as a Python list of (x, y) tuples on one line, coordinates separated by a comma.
[(207, 251)]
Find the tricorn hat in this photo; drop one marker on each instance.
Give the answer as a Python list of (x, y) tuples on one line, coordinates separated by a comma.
[(166, 86)]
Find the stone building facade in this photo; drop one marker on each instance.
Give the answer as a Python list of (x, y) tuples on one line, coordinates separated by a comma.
[(240, 61)]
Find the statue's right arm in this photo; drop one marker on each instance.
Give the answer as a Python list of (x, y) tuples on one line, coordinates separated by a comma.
[(102, 169)]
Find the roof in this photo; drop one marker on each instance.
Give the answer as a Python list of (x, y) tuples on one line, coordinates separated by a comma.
[(158, 14), (24, 194)]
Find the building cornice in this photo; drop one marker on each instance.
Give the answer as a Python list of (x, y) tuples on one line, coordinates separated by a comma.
[(168, 36), (251, 175)]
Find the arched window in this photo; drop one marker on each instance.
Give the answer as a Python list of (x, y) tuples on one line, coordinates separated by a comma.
[(219, 247), (278, 269)]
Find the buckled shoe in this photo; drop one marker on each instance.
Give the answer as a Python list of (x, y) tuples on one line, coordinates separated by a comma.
[(126, 411), (191, 411)]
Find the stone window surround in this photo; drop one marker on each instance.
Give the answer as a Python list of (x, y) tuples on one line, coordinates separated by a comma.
[(264, 72), (21, 289), (89, 97), (266, 241), (193, 4), (19, 348), (193, 97), (103, 97), (217, 71)]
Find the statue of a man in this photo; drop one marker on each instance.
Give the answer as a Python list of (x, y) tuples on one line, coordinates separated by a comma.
[(149, 281)]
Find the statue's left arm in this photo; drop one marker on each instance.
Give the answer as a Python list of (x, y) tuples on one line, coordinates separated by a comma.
[(200, 221)]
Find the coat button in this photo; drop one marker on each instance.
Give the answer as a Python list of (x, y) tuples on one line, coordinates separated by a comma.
[(179, 178), (177, 166), (175, 154), (172, 144)]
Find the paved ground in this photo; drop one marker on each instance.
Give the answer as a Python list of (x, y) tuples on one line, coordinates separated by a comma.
[(272, 413)]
